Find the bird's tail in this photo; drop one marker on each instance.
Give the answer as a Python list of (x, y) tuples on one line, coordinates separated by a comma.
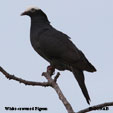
[(80, 79)]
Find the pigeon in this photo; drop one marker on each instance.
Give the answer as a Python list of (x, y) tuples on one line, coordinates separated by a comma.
[(57, 48)]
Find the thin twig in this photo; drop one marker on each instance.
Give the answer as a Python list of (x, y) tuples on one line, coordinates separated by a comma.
[(56, 77), (9, 76), (96, 107)]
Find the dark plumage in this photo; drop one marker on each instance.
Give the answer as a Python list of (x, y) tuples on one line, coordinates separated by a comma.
[(57, 48)]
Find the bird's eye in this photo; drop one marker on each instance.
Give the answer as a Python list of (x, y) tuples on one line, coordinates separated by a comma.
[(32, 10)]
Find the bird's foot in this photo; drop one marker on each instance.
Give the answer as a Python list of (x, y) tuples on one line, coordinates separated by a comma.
[(51, 70)]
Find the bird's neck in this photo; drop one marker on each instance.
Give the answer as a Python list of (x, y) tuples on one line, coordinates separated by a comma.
[(39, 20), (38, 26)]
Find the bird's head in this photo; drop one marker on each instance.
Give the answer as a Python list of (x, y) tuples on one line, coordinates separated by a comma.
[(31, 11), (34, 12)]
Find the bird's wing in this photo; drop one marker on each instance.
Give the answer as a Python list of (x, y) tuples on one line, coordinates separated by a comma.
[(55, 44)]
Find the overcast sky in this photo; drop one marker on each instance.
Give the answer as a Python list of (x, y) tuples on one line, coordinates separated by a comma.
[(89, 23)]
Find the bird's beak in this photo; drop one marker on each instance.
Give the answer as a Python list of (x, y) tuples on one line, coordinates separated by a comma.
[(24, 13)]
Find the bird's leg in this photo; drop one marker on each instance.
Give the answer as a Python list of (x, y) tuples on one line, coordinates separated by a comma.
[(51, 70)]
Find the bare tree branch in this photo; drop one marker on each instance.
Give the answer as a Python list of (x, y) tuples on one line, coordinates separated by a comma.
[(52, 82), (96, 107), (56, 77), (59, 92), (9, 76)]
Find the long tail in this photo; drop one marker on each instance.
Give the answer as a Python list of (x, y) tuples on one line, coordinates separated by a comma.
[(80, 79)]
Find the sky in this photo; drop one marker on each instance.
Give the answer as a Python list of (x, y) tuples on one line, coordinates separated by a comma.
[(89, 23)]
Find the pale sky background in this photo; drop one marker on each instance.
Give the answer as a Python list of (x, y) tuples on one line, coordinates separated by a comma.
[(89, 23)]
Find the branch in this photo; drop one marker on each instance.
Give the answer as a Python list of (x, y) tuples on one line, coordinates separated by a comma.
[(51, 82), (56, 77), (9, 76), (59, 92), (96, 107)]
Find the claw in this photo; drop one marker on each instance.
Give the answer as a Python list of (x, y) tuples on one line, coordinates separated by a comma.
[(51, 70)]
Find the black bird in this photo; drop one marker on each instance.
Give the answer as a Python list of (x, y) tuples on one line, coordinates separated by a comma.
[(57, 48)]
